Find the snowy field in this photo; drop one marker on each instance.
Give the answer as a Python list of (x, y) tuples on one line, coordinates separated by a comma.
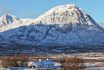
[(94, 68)]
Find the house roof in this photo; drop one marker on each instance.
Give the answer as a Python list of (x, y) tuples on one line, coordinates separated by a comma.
[(44, 62)]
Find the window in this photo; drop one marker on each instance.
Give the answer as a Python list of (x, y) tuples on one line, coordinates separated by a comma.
[(34, 66)]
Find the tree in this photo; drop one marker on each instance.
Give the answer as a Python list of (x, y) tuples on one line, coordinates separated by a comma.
[(14, 61), (73, 63)]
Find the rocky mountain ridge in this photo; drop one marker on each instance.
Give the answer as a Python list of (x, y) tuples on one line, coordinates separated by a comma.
[(64, 25)]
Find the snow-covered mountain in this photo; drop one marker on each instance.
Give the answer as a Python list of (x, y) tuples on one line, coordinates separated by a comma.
[(65, 14), (64, 25), (101, 24), (8, 19)]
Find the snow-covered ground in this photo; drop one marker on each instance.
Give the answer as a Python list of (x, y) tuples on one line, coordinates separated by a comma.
[(94, 68)]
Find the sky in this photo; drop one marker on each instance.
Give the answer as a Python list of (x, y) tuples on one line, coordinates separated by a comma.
[(34, 8)]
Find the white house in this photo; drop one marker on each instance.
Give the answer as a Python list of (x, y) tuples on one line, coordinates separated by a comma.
[(44, 64)]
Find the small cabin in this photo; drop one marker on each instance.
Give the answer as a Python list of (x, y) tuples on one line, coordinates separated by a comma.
[(44, 64)]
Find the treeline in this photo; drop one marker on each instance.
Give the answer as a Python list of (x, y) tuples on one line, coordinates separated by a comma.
[(14, 61), (67, 63)]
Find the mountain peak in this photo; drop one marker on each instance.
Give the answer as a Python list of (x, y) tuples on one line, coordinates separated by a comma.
[(8, 19), (8, 15), (65, 14), (69, 5)]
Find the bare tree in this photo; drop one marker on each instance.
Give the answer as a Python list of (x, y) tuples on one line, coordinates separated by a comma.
[(14, 61), (73, 63)]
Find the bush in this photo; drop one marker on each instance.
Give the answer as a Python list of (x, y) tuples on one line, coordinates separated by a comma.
[(14, 61), (73, 63)]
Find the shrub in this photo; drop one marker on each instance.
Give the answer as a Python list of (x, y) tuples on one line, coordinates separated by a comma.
[(73, 63), (14, 61)]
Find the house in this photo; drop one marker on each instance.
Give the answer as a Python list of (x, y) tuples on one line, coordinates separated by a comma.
[(44, 64)]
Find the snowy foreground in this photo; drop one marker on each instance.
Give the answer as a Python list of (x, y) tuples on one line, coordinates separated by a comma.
[(95, 68), (93, 60)]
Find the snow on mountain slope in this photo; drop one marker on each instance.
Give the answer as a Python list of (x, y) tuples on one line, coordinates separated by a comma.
[(8, 22), (68, 14), (102, 24), (65, 14), (65, 25), (8, 19)]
